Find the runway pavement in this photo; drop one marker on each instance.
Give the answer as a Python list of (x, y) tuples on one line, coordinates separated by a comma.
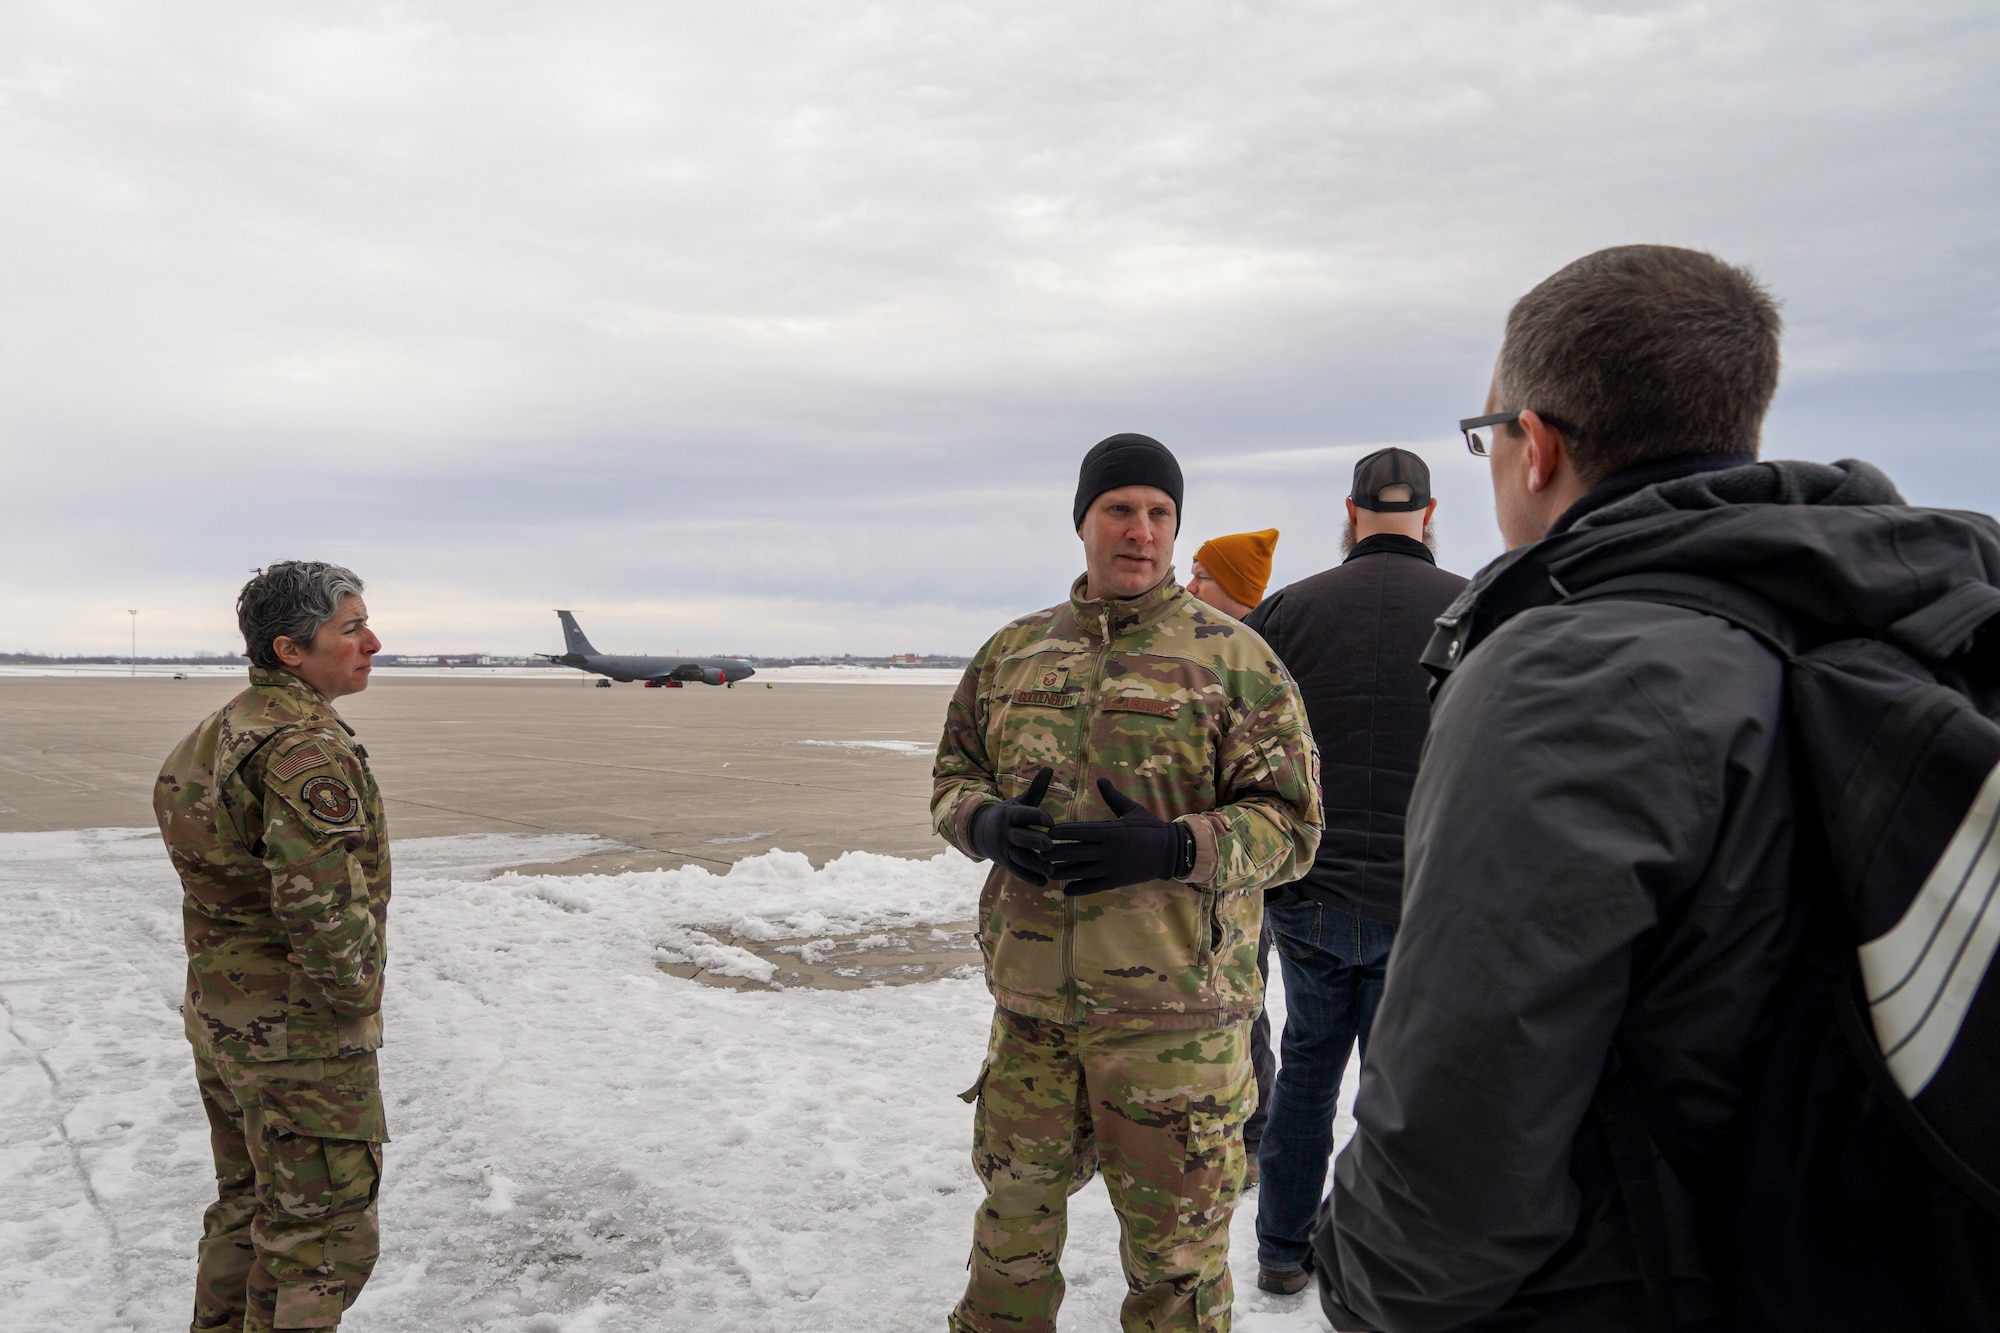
[(698, 775)]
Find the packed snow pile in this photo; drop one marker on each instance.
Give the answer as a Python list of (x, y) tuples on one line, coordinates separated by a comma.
[(774, 896), (832, 674), (582, 1144), (916, 748)]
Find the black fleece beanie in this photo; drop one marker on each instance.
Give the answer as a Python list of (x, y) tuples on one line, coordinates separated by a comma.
[(1127, 460)]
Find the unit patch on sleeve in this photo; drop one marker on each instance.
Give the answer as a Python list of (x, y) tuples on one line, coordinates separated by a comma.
[(308, 756), (330, 799)]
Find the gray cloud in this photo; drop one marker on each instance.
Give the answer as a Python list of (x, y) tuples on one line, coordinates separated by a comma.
[(776, 328)]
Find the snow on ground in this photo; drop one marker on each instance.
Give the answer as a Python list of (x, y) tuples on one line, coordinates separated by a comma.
[(583, 1144), (860, 675), (893, 747)]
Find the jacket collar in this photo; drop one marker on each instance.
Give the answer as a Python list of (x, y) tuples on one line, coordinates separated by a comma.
[(1109, 617), (1831, 545), (296, 693), (1391, 543), (277, 678), (1632, 480)]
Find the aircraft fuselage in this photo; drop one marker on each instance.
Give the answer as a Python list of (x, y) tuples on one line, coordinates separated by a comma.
[(584, 657), (707, 670)]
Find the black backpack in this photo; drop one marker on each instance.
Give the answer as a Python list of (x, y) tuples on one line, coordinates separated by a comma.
[(1864, 1188)]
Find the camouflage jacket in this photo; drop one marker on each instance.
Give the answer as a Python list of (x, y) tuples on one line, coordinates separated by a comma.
[(1191, 715), (275, 825)]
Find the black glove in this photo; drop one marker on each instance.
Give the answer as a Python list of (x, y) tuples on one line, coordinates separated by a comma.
[(1110, 853), (1012, 833)]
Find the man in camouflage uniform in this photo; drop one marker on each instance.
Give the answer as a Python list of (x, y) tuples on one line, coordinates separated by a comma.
[(1121, 951), (274, 824)]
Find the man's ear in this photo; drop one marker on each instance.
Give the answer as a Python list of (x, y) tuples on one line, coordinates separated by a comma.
[(1352, 516), (1429, 509), (1546, 453)]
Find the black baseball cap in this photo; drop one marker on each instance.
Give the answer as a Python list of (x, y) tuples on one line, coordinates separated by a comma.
[(1391, 467)]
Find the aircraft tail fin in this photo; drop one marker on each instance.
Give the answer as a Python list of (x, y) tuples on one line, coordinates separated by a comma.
[(573, 638)]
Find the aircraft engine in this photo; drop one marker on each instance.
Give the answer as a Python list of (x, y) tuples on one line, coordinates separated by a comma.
[(713, 676)]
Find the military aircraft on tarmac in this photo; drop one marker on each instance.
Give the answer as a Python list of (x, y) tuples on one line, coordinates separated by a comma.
[(669, 672)]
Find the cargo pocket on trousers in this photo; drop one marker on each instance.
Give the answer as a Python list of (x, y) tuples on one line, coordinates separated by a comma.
[(1212, 1172), (313, 1303), (320, 1139), (971, 1095)]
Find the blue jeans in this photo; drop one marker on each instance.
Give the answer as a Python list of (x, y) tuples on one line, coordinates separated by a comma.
[(1262, 1063), (1334, 963)]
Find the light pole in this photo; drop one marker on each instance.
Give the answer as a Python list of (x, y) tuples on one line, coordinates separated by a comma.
[(135, 641)]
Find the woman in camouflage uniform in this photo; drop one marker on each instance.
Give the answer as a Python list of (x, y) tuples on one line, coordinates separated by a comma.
[(275, 825)]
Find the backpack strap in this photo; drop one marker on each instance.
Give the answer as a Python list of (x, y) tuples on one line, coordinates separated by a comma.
[(1622, 1118), (1944, 629), (1895, 752), (1620, 1110), (1748, 611)]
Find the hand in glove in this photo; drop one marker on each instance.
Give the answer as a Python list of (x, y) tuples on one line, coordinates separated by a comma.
[(1110, 853), (1014, 833)]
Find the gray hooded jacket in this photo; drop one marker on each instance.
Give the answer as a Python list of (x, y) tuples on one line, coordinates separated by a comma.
[(1601, 848)]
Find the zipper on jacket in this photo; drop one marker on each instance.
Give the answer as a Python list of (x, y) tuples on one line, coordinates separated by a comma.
[(1091, 696)]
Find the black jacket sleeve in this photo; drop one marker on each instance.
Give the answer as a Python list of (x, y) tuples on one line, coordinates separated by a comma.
[(1574, 780)]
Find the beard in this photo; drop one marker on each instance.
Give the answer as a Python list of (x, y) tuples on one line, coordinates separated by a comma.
[(1347, 537)]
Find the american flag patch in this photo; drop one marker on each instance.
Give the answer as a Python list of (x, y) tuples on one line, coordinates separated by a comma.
[(292, 763)]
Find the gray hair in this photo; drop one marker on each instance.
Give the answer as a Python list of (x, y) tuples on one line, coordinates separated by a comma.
[(1643, 352), (292, 599)]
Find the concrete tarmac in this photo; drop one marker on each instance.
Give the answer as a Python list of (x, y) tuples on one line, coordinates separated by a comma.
[(699, 775)]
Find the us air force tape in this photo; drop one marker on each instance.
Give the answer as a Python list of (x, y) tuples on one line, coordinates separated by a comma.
[(330, 799)]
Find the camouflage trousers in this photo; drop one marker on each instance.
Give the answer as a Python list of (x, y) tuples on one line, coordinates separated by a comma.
[(1162, 1113), (291, 1236)]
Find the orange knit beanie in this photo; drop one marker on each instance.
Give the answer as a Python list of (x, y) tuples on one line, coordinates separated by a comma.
[(1240, 562)]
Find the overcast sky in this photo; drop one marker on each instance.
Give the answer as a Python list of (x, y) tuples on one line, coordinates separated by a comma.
[(781, 328)]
